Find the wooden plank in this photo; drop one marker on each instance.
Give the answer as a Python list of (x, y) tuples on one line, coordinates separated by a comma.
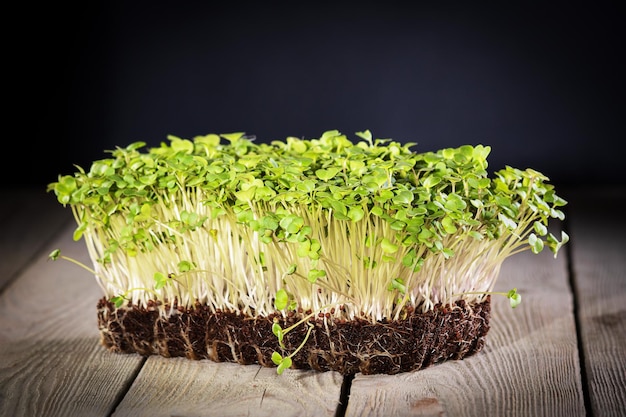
[(51, 363), (29, 218), (183, 387), (599, 269), (529, 365)]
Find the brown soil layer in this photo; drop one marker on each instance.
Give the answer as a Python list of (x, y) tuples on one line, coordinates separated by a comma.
[(348, 347)]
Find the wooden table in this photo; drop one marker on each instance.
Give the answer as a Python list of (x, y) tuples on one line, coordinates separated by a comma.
[(562, 352)]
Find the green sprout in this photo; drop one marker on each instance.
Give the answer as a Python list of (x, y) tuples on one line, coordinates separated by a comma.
[(56, 255), (305, 224), (284, 362), (514, 297)]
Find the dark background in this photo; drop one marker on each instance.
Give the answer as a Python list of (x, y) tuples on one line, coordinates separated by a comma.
[(541, 83)]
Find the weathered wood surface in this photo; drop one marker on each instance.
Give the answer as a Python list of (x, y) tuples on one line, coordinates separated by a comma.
[(529, 365), (599, 269), (204, 388), (51, 362)]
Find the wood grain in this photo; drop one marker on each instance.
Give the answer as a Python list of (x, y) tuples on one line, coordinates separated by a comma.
[(599, 266), (529, 365), (51, 362), (182, 387)]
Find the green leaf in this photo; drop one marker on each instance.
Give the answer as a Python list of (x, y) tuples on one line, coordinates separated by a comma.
[(431, 181), (277, 358), (403, 197), (388, 258), (387, 246), (447, 253), (281, 300), (540, 228), (232, 137), (536, 244), (397, 284), (278, 331), (448, 153), (54, 255), (185, 266), (339, 208), (448, 225), (160, 280), (366, 134), (306, 186), (326, 174), (269, 222), (557, 214), (285, 363), (514, 298), (181, 145), (117, 301), (477, 203), (357, 167), (397, 225), (508, 222), (246, 195), (409, 259), (384, 195), (210, 140), (315, 274), (80, 230), (356, 213), (377, 211), (455, 203), (554, 244), (292, 223)]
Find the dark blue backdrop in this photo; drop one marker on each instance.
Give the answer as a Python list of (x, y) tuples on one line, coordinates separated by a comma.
[(541, 83)]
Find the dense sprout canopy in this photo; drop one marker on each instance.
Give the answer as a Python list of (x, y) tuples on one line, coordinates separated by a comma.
[(368, 224)]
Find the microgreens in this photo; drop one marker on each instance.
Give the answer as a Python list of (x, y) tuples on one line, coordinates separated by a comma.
[(284, 362), (305, 224), (514, 297), (56, 255)]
